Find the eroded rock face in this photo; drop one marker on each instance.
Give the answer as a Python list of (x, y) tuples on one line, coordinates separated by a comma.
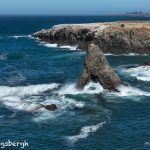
[(97, 69), (113, 37)]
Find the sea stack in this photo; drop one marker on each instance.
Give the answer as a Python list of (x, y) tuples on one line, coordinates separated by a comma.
[(97, 69)]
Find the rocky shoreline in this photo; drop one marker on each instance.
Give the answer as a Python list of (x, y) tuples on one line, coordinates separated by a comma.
[(112, 37)]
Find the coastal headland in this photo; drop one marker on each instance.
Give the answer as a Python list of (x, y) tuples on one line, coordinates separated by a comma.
[(121, 37)]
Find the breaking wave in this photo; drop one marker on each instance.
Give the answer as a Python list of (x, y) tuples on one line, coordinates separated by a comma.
[(14, 96), (96, 88), (30, 98), (128, 91), (27, 98), (91, 88), (26, 90), (84, 132), (140, 73)]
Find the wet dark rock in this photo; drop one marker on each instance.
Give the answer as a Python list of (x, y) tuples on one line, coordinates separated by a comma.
[(51, 107)]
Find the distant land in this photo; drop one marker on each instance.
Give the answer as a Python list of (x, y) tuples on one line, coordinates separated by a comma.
[(134, 13)]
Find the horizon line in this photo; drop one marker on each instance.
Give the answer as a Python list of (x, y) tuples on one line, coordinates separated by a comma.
[(73, 15)]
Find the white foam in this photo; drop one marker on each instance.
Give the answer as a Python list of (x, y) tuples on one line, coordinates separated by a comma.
[(132, 54), (20, 104), (26, 90), (44, 116), (63, 102), (69, 47), (128, 91), (13, 97), (143, 78), (110, 54), (84, 132), (49, 45), (15, 103), (91, 88), (21, 36), (141, 72)]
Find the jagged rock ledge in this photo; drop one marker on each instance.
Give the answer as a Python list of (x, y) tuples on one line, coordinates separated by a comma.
[(112, 37)]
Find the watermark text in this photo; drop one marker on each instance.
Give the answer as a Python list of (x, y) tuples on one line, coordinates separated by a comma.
[(9, 143)]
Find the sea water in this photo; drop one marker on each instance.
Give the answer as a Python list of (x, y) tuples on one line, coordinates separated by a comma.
[(34, 72)]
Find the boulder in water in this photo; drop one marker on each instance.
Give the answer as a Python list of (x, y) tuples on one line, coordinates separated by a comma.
[(51, 107)]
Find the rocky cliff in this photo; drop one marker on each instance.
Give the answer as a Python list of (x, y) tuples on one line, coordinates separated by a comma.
[(112, 37)]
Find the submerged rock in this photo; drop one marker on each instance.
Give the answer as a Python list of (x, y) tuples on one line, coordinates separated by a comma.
[(97, 69)]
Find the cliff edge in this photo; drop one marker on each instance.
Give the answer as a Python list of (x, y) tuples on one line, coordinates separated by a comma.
[(112, 37)]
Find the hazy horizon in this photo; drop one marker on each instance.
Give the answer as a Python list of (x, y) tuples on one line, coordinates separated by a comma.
[(71, 8)]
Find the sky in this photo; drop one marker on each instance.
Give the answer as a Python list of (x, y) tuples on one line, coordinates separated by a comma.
[(72, 7)]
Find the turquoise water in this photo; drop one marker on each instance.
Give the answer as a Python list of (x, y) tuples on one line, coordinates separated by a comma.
[(33, 72)]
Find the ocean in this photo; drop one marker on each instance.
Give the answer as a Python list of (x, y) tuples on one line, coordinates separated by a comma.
[(34, 72)]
